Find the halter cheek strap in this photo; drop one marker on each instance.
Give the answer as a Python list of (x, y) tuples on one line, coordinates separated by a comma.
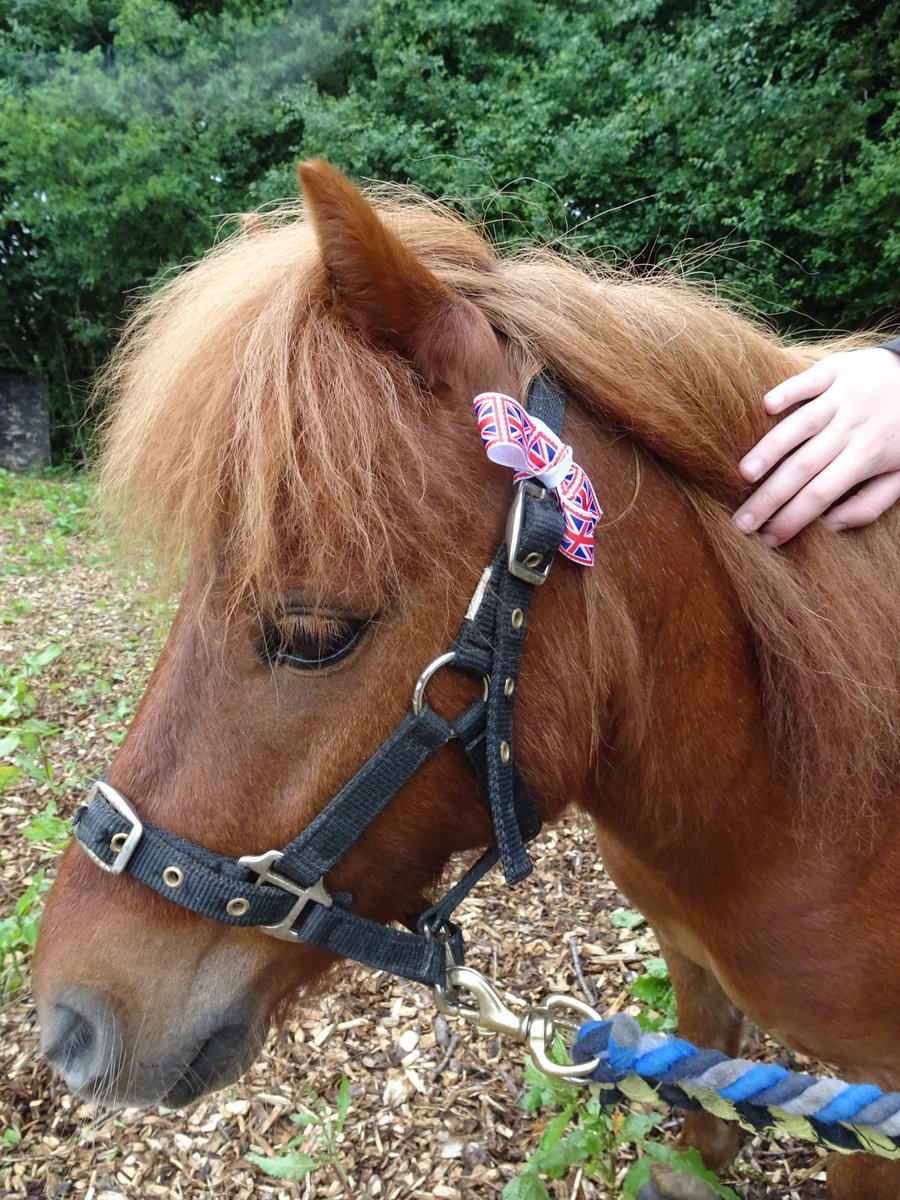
[(282, 892)]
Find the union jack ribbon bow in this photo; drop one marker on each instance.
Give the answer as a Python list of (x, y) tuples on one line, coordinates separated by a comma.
[(513, 438)]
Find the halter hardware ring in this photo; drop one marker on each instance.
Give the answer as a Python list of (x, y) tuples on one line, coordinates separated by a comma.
[(442, 660)]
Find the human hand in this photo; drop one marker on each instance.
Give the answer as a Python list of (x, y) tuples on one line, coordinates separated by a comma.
[(846, 431)]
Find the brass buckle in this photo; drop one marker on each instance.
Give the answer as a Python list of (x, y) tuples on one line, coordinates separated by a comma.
[(534, 568), (261, 865)]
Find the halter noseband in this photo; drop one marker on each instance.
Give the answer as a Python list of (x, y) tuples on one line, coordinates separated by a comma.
[(282, 891)]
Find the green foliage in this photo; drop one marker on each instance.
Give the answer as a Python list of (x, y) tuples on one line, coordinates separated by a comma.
[(21, 733), (605, 1142), (654, 989), (320, 1140), (123, 140), (18, 934), (11, 1137), (51, 505), (18, 931), (627, 918), (128, 127), (601, 1142)]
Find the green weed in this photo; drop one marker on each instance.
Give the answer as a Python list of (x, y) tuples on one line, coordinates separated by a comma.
[(17, 609), (49, 833), (627, 918), (38, 514), (22, 735), (605, 1142), (18, 934), (317, 1148), (9, 1140), (654, 989), (601, 1142)]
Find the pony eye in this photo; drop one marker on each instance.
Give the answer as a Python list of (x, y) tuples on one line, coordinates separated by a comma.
[(309, 641)]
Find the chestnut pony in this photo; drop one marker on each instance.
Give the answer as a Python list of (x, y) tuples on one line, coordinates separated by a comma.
[(292, 419)]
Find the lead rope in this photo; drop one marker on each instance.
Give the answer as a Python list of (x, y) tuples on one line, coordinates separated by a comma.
[(624, 1062)]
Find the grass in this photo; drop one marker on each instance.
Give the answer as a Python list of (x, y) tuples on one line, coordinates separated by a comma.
[(38, 514)]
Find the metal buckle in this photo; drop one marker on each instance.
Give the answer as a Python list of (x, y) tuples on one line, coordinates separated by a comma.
[(117, 801), (261, 865), (533, 571)]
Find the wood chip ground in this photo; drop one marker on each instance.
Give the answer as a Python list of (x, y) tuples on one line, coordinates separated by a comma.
[(436, 1109)]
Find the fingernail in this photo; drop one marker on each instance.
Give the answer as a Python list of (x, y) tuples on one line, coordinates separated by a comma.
[(836, 526), (745, 521), (752, 468), (769, 538)]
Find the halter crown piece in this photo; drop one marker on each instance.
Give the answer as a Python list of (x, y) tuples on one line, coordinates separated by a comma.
[(282, 892)]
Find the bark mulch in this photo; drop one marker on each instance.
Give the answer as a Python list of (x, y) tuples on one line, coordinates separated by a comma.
[(436, 1109)]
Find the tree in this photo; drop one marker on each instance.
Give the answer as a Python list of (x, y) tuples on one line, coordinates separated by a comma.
[(757, 143), (129, 142)]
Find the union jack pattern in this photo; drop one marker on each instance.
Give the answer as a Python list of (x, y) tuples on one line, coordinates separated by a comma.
[(514, 438)]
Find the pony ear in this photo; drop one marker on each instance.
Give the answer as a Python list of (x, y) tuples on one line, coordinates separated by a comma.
[(387, 293)]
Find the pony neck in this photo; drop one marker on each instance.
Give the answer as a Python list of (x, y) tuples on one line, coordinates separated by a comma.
[(664, 712)]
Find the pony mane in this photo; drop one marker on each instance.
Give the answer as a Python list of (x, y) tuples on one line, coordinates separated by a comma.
[(240, 412)]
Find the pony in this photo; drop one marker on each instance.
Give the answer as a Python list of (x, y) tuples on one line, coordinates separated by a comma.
[(291, 425)]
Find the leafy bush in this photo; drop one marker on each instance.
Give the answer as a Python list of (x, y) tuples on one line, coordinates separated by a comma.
[(759, 143)]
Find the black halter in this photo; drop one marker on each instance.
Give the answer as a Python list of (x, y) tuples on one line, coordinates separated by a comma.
[(282, 891)]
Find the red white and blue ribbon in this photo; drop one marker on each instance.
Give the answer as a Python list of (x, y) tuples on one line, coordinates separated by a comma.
[(514, 438)]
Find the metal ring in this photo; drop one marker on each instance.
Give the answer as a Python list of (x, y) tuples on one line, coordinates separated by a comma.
[(173, 877), (540, 1035), (117, 842), (435, 665), (237, 906)]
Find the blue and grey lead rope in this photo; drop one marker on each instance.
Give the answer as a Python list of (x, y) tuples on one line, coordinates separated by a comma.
[(845, 1116)]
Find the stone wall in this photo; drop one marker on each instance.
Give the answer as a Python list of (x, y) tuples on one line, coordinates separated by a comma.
[(24, 422)]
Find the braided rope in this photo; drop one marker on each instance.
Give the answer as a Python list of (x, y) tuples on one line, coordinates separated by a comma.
[(845, 1116)]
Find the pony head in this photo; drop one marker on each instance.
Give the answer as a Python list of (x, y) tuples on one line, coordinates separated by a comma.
[(293, 417)]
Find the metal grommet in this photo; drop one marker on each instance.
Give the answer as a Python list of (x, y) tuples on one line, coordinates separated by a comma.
[(516, 618), (173, 877), (504, 752), (117, 842), (237, 906), (509, 686), (533, 560)]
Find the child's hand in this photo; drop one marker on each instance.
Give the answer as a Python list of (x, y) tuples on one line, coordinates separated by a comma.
[(847, 432)]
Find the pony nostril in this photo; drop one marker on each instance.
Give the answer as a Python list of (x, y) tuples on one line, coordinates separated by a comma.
[(80, 1039), (76, 1037)]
